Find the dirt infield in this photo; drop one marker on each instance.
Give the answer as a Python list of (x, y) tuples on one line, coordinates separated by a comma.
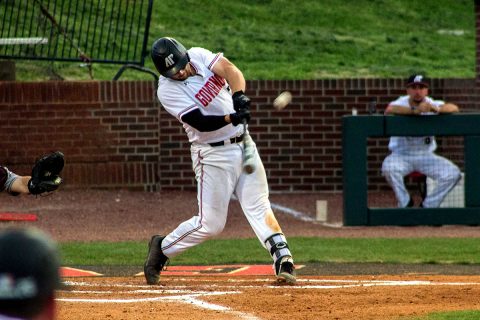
[(253, 297), (324, 291)]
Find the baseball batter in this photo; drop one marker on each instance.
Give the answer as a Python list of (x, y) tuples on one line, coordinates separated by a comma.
[(196, 87), (418, 153)]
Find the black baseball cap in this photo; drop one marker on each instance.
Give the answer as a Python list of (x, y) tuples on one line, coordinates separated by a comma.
[(417, 79), (29, 271)]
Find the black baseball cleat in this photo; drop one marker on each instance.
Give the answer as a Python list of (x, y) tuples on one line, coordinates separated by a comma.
[(156, 261), (285, 270)]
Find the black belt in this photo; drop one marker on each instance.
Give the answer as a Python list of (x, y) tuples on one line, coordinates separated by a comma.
[(222, 143)]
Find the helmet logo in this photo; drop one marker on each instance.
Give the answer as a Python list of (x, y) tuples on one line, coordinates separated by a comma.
[(169, 60), (418, 78)]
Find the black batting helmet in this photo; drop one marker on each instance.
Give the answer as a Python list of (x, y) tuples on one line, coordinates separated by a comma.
[(169, 56)]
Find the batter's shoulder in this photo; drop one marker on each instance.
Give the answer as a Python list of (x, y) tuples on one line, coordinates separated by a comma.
[(201, 57), (197, 52)]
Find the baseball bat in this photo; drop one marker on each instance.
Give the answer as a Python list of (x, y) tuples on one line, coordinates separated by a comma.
[(248, 151)]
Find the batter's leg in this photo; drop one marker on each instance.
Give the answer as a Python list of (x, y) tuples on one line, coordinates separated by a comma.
[(252, 193), (216, 179)]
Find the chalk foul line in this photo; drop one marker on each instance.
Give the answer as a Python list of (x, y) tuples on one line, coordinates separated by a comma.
[(191, 297)]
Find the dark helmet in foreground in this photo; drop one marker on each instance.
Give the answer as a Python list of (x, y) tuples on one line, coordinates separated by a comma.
[(169, 56)]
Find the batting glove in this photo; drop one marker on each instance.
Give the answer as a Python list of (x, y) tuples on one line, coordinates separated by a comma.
[(240, 101), (238, 117)]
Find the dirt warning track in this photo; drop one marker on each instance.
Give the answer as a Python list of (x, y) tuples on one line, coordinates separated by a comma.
[(260, 297)]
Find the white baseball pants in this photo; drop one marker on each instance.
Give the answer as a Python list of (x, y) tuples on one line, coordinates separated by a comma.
[(219, 174), (396, 166)]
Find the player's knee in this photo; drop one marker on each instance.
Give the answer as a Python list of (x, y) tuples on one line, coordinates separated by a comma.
[(453, 176), (391, 174), (458, 174), (213, 229), (388, 169)]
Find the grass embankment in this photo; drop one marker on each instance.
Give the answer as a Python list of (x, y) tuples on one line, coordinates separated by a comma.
[(310, 39)]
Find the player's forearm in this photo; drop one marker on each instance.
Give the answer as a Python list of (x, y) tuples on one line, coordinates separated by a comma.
[(421, 108), (20, 185), (448, 108), (204, 123), (398, 110)]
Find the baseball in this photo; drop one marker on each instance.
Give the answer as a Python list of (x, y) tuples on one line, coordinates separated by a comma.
[(282, 100)]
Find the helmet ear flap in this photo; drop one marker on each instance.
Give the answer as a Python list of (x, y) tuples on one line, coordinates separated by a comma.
[(169, 56)]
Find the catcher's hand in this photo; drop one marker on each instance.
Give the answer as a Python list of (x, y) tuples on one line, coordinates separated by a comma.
[(45, 173)]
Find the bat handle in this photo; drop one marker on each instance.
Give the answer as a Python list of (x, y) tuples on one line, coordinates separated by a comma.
[(248, 156)]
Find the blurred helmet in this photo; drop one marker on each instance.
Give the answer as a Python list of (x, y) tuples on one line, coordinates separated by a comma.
[(29, 272), (169, 56)]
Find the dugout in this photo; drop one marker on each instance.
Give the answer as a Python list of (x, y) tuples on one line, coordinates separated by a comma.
[(355, 132)]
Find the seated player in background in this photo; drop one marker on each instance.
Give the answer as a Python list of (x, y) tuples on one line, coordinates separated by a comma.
[(413, 153)]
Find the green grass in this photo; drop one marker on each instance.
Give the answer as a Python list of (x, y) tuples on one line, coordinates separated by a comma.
[(415, 250), (454, 315), (310, 39)]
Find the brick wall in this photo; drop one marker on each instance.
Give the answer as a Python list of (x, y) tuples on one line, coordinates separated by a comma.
[(108, 130), (115, 134), (301, 145)]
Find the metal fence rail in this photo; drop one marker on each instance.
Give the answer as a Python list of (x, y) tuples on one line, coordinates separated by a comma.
[(104, 31)]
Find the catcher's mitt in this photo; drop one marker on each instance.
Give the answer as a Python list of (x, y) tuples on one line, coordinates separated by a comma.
[(45, 173)]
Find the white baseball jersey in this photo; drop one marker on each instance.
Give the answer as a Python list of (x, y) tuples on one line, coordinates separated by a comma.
[(410, 145), (205, 91)]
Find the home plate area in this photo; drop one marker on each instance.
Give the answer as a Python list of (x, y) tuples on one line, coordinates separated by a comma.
[(218, 270), (251, 292)]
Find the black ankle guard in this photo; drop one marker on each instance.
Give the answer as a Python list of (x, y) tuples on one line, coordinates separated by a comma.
[(278, 247)]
